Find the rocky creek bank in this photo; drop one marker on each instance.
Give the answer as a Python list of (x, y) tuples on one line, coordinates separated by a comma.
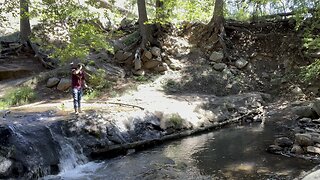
[(35, 145)]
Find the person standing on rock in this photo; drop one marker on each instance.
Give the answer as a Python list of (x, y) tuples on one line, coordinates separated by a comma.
[(78, 83)]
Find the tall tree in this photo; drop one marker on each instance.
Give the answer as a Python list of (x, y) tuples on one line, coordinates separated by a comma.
[(217, 20), (145, 30), (25, 29)]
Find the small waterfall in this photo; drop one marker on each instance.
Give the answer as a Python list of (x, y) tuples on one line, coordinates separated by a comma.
[(69, 159), (71, 154)]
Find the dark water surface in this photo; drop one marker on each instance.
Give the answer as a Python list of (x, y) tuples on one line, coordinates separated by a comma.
[(232, 153)]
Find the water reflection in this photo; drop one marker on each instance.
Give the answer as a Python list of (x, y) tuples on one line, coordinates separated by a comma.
[(233, 153)]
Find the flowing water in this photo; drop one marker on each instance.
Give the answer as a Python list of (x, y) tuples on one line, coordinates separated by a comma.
[(232, 153)]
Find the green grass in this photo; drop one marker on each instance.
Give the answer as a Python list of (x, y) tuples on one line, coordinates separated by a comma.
[(19, 96)]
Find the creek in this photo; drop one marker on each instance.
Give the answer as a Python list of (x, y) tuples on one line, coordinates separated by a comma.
[(237, 152)]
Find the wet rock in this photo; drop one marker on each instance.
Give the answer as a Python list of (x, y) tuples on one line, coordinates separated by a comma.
[(274, 149), (296, 149), (64, 84), (283, 142), (52, 82), (303, 139)]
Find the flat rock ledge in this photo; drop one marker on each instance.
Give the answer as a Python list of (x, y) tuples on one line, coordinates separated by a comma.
[(32, 150)]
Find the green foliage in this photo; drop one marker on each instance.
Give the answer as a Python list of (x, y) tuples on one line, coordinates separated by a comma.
[(141, 78), (18, 96), (92, 94), (98, 80), (176, 120), (171, 86), (311, 71), (131, 39), (84, 37)]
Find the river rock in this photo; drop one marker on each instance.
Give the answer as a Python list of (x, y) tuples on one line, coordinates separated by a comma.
[(296, 149), (303, 139), (52, 82), (216, 56), (283, 142)]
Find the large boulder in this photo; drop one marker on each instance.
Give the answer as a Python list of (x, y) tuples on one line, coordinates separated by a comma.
[(52, 82), (64, 84)]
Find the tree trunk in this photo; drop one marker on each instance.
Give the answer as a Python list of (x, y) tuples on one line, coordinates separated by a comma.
[(25, 29), (217, 19), (145, 31)]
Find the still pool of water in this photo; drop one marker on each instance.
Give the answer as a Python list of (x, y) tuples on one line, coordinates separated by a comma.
[(232, 153)]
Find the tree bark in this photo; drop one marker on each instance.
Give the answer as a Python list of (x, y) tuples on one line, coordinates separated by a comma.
[(217, 19), (25, 28), (145, 31)]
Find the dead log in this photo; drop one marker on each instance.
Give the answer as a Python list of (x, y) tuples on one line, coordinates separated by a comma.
[(114, 150)]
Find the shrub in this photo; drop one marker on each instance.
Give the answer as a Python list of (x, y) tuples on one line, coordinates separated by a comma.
[(19, 96), (98, 80), (176, 120)]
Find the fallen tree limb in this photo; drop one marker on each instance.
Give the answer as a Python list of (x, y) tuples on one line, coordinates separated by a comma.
[(114, 150)]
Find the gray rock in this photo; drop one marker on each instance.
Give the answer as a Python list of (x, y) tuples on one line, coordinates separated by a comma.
[(156, 51), (316, 106), (296, 149), (274, 149), (283, 142), (304, 111), (52, 82), (216, 56), (5, 165), (313, 149), (140, 72), (303, 140), (219, 66), (241, 63), (305, 120), (64, 84)]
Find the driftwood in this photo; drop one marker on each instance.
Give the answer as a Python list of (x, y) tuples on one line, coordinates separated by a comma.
[(114, 150)]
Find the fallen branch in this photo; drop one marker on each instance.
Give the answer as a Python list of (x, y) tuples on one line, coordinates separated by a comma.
[(111, 151)]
